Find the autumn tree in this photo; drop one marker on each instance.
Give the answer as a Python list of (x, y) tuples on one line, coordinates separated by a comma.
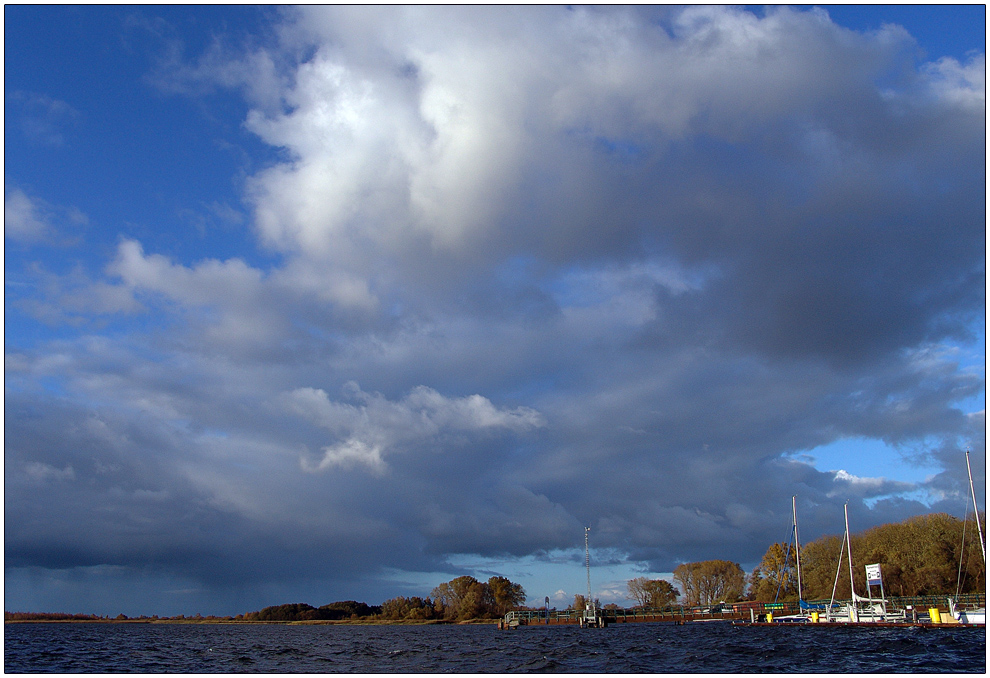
[(505, 595), (476, 602), (775, 578), (710, 581), (973, 570), (347, 609), (408, 608), (459, 598), (819, 560), (467, 598), (286, 612), (919, 556), (654, 593)]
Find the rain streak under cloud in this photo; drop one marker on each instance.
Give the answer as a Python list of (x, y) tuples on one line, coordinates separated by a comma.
[(425, 287)]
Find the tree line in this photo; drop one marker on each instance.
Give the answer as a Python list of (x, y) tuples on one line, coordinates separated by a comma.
[(347, 609), (934, 554), (460, 599), (921, 556), (49, 616)]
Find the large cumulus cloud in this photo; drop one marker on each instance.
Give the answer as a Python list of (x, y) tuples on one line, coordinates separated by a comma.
[(537, 268)]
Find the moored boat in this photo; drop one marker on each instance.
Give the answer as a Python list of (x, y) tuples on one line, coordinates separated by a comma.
[(969, 615)]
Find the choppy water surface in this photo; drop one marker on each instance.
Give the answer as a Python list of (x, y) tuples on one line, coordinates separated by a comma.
[(625, 648)]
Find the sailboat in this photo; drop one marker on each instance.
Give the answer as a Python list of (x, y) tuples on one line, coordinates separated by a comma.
[(866, 610), (860, 609), (978, 615)]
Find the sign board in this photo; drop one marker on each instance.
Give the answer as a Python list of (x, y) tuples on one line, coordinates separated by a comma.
[(873, 574)]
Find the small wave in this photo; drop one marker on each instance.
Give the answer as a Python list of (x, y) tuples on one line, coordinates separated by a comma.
[(631, 648)]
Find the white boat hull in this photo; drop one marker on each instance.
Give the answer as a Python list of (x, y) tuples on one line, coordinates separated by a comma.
[(972, 616)]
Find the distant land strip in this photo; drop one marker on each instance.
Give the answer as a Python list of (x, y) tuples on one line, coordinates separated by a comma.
[(924, 556)]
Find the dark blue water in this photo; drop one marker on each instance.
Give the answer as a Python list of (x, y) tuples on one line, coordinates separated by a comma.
[(625, 648)]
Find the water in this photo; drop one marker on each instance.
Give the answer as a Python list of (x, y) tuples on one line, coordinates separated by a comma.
[(624, 648)]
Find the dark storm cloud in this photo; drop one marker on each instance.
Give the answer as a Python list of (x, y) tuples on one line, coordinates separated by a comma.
[(540, 269)]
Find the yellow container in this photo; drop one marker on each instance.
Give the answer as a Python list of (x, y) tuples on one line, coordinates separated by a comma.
[(814, 617), (769, 617), (935, 615)]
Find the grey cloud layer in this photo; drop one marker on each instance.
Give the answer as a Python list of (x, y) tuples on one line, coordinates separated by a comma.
[(588, 267)]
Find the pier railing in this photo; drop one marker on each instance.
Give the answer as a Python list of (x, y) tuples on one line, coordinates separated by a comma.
[(619, 616), (895, 603)]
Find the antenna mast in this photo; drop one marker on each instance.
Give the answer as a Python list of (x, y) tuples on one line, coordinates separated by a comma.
[(587, 565)]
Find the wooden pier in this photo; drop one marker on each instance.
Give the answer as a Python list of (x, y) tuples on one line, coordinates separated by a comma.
[(608, 617)]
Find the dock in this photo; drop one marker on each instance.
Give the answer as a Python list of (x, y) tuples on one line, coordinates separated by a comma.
[(747, 613), (870, 624), (516, 619)]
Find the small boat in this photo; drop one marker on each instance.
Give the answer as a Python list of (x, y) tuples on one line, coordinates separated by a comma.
[(859, 609), (977, 615)]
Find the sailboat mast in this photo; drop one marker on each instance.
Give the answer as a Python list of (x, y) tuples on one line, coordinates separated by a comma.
[(852, 588), (853, 610), (976, 509), (797, 545)]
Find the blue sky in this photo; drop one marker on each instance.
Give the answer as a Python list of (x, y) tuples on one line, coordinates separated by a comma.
[(340, 303)]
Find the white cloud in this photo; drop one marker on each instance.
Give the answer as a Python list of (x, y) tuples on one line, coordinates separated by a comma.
[(849, 485), (75, 298), (348, 454), (31, 220), (961, 86), (418, 139), (234, 304), (209, 282), (254, 72), (842, 476), (377, 427), (41, 118), (22, 221)]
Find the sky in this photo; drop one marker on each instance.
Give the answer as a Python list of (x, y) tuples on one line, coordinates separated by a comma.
[(340, 303)]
